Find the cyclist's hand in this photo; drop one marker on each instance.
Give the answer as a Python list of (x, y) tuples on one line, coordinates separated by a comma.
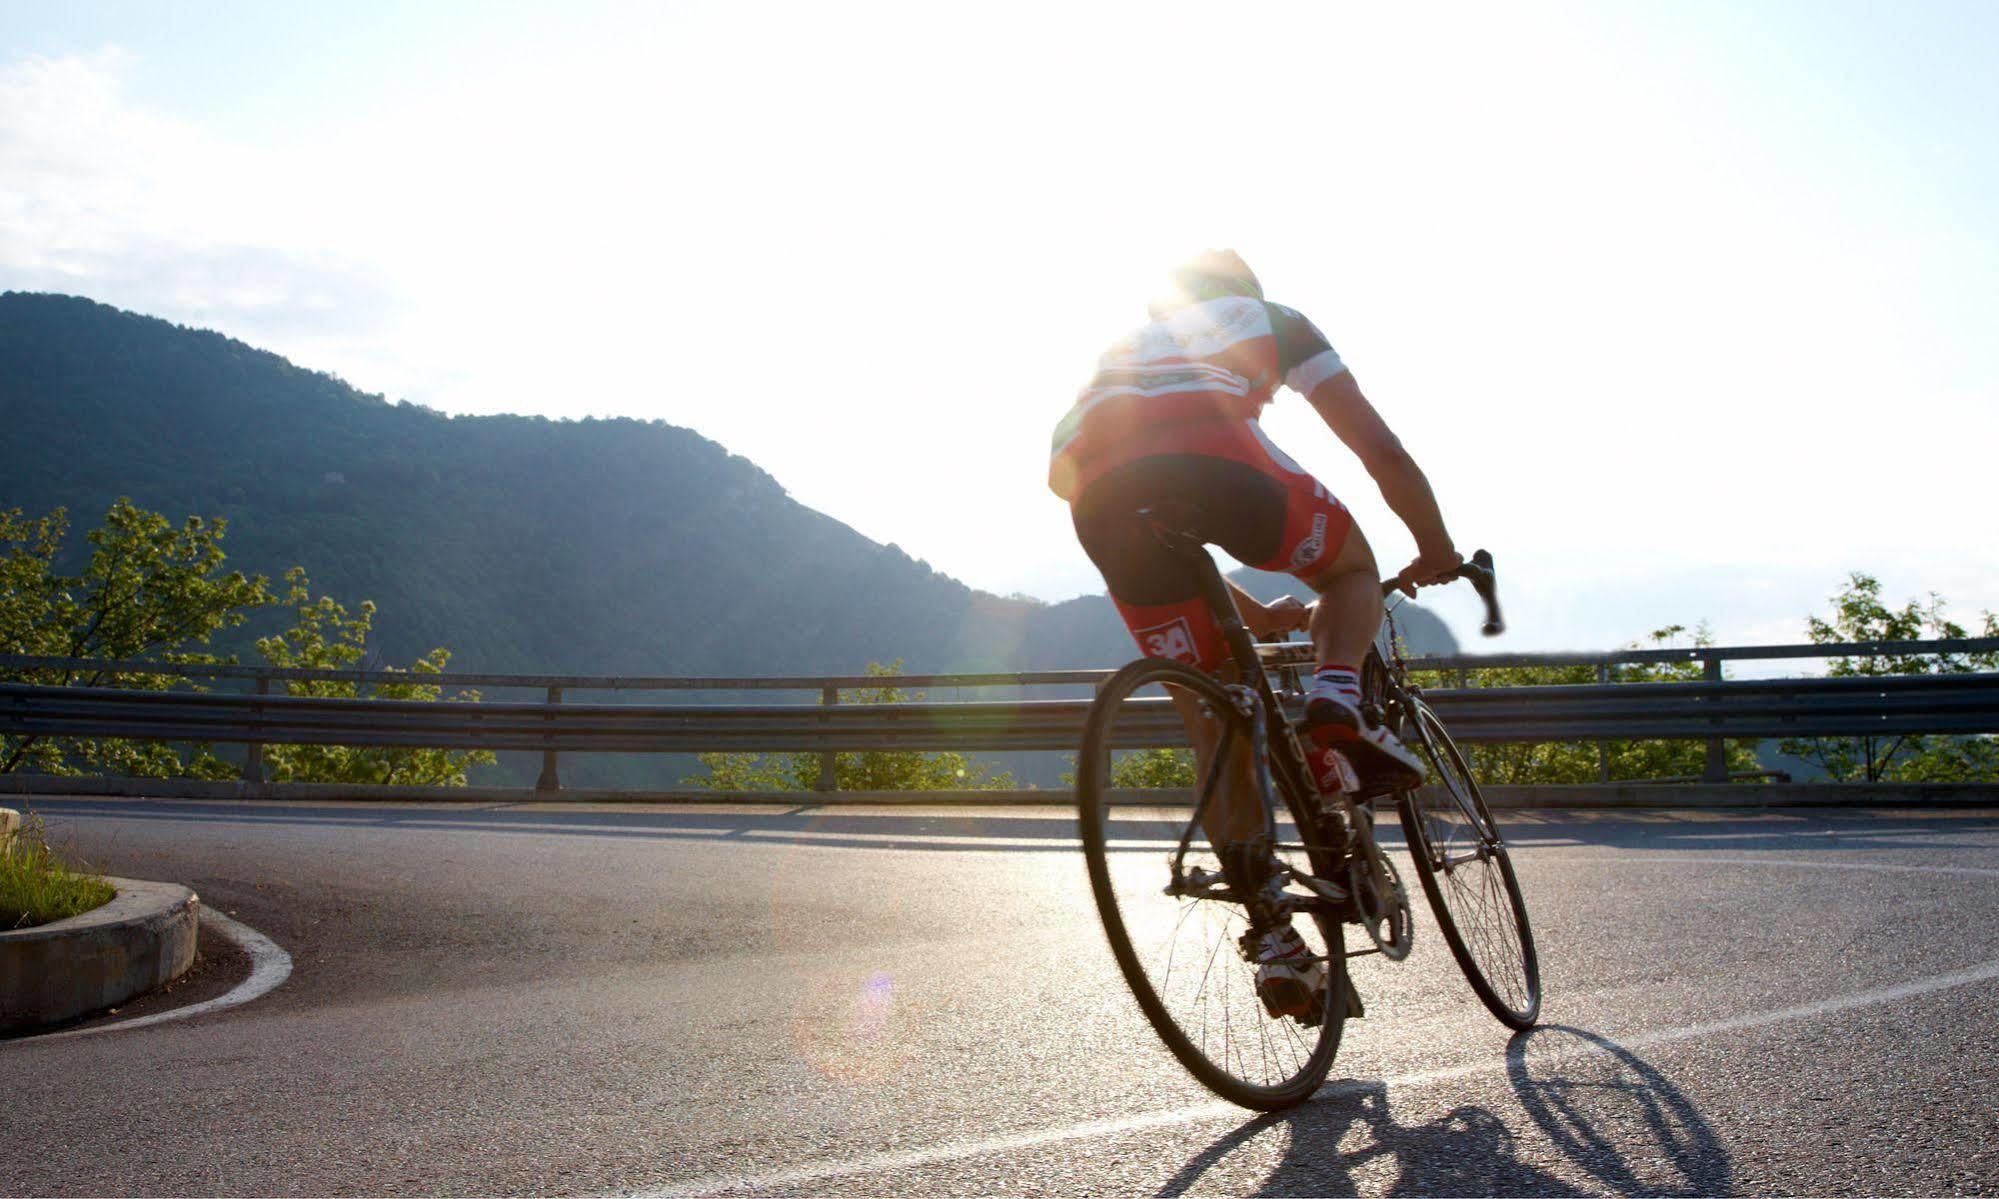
[(1285, 613), (1430, 566)]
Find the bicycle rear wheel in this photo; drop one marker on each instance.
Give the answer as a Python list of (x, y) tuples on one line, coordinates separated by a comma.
[(1172, 923), (1462, 863)]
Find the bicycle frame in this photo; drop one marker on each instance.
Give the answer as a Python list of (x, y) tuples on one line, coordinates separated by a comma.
[(1262, 708), (1282, 748)]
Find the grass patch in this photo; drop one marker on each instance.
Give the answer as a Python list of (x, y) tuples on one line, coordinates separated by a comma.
[(37, 885)]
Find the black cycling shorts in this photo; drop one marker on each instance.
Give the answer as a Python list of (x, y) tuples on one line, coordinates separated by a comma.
[(1266, 514)]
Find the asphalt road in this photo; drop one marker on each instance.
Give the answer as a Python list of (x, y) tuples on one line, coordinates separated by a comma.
[(619, 1000)]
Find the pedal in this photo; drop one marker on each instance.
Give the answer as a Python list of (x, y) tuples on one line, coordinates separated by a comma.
[(1370, 791), (1200, 884), (1325, 889)]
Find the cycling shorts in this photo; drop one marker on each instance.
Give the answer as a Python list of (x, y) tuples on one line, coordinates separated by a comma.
[(1228, 485)]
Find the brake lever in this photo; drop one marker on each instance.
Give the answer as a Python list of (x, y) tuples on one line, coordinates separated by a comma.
[(1486, 582), (1479, 572)]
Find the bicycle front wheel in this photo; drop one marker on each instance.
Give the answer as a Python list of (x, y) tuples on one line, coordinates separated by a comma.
[(1462, 863), (1171, 920)]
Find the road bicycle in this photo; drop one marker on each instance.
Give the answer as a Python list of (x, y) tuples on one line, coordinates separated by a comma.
[(1176, 926)]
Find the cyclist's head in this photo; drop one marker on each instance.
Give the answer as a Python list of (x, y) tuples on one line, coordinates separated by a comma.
[(1207, 276)]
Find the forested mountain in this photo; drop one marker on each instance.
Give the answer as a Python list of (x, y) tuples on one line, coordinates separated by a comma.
[(521, 543)]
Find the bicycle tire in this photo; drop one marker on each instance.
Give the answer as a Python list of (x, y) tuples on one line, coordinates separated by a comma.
[(1193, 1048), (1492, 941)]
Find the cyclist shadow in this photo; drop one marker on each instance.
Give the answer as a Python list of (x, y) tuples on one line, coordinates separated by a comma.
[(1614, 1120)]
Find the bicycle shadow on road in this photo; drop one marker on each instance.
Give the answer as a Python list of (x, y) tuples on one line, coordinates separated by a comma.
[(1619, 1124), (1466, 1151), (1615, 1115)]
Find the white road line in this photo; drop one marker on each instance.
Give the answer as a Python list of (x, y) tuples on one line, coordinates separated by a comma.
[(1821, 834), (989, 1146), (269, 966), (1692, 858)]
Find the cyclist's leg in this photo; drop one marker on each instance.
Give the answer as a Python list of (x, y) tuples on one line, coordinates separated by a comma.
[(1349, 611), (1158, 594), (1319, 544), (1235, 814)]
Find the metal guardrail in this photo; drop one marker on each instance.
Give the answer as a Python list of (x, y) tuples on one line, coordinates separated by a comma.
[(1754, 708), (1846, 707), (579, 682), (1967, 703), (1620, 712), (1712, 710)]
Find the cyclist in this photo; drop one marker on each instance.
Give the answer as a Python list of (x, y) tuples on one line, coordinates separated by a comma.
[(1168, 424)]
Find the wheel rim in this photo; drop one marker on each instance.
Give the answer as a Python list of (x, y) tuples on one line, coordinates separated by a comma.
[(1470, 876), (1179, 952)]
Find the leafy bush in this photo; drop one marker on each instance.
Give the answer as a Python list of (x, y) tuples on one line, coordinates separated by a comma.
[(1582, 762), (328, 637), (152, 590), (149, 590), (1860, 615), (1160, 767)]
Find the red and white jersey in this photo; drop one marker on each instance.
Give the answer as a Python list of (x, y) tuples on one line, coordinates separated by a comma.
[(1210, 366)]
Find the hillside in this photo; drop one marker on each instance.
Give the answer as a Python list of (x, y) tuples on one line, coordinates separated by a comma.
[(521, 543)]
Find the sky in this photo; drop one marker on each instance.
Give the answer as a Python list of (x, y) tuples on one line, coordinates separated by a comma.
[(1687, 310)]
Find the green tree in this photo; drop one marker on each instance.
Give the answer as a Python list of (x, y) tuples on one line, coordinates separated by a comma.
[(861, 770), (328, 636), (1579, 762), (1158, 767), (150, 589), (752, 772), (1860, 615)]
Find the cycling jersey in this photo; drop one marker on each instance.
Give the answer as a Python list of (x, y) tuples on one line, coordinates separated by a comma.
[(1168, 424), (1212, 365)]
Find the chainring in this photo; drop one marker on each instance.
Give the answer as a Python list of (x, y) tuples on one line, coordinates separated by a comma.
[(1381, 900)]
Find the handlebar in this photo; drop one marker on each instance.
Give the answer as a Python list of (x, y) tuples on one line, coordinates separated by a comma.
[(1479, 571)]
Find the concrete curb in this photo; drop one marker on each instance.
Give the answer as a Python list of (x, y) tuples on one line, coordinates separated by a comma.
[(144, 938)]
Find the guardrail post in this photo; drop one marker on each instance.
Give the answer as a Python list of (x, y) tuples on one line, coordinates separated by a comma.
[(829, 778), (549, 780), (253, 757), (1603, 747), (1715, 769)]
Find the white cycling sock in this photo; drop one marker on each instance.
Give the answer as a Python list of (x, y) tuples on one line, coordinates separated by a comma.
[(1338, 683)]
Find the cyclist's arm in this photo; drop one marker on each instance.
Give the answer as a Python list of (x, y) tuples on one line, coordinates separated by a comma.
[(1262, 619), (1339, 402)]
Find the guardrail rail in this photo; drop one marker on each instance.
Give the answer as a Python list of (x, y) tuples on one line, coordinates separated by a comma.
[(1712, 710)]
